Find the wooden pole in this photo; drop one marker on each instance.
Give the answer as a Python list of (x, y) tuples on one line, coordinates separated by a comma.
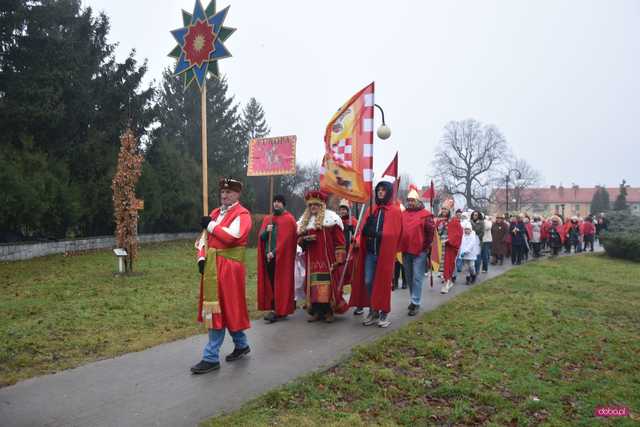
[(271, 195), (355, 233), (205, 167), (270, 213)]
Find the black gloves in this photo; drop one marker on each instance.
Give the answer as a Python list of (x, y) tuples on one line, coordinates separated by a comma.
[(204, 222), (201, 266), (369, 229)]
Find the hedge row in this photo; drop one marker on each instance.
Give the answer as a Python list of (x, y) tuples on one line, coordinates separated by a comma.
[(622, 238)]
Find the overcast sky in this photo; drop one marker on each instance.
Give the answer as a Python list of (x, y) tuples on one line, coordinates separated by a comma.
[(559, 78)]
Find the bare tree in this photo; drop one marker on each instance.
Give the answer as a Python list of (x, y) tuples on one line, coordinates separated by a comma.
[(466, 159), (524, 183)]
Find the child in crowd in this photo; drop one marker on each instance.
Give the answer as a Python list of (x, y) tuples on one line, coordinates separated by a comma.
[(469, 251)]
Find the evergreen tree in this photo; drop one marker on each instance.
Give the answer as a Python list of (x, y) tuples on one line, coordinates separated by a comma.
[(253, 123), (621, 201), (600, 201), (64, 100)]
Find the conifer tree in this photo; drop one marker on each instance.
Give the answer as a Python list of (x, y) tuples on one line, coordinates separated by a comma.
[(253, 123), (621, 201)]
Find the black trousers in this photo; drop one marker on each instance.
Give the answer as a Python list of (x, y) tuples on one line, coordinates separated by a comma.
[(517, 253), (271, 271), (588, 242), (397, 271)]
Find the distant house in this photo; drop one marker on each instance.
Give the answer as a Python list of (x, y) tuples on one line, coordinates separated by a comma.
[(567, 201)]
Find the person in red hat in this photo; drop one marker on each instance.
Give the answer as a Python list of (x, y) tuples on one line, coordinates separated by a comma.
[(379, 241), (417, 235), (320, 234), (221, 250), (276, 260)]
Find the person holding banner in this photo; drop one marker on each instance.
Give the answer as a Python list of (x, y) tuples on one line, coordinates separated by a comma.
[(417, 235), (222, 303), (320, 234), (379, 242), (349, 224), (276, 260)]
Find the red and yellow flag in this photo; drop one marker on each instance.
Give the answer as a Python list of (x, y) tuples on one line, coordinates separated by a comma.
[(436, 251), (347, 166)]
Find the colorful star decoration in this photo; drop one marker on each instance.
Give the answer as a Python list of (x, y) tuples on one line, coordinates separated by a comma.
[(200, 43)]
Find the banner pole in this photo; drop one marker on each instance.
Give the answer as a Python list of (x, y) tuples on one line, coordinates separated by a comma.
[(205, 167), (270, 194), (355, 233)]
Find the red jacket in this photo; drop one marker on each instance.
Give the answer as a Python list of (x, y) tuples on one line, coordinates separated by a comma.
[(588, 229), (417, 231)]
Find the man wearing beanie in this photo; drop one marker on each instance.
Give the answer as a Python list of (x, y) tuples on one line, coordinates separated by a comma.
[(276, 258)]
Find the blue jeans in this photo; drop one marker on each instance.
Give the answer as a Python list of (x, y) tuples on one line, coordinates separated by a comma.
[(211, 351), (414, 266), (458, 264), (370, 262), (485, 255)]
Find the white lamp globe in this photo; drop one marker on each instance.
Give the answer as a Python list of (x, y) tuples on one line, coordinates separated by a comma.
[(384, 132)]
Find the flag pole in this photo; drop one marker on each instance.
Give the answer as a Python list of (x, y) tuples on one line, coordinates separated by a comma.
[(430, 264), (355, 233), (270, 210)]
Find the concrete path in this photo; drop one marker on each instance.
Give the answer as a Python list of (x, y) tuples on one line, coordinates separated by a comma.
[(154, 387)]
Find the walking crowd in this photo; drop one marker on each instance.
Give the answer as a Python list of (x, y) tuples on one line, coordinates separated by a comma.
[(310, 262)]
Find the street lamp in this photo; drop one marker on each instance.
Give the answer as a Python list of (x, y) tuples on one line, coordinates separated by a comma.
[(506, 182), (384, 131)]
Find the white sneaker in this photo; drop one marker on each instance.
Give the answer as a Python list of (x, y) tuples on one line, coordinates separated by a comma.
[(384, 321), (372, 317), (445, 288), (451, 283)]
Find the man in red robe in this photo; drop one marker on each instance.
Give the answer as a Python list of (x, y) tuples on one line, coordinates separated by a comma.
[(221, 251), (276, 258), (322, 240), (450, 232), (379, 242)]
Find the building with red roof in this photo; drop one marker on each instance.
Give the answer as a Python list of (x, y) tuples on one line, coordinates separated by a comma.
[(567, 201)]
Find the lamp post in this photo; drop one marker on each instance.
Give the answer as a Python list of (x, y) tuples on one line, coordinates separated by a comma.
[(384, 131), (506, 181)]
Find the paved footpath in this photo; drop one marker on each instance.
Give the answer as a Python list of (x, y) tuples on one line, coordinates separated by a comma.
[(154, 387)]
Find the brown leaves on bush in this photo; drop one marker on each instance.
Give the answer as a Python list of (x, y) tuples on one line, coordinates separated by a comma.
[(125, 203)]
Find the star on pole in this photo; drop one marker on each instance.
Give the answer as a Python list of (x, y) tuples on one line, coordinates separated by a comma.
[(200, 43)]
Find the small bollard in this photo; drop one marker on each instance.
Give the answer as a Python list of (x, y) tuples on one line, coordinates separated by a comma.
[(121, 254)]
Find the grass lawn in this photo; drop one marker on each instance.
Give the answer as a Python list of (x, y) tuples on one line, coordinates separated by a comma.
[(60, 312), (543, 344)]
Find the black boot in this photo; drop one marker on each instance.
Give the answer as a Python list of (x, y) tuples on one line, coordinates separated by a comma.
[(237, 354), (202, 367)]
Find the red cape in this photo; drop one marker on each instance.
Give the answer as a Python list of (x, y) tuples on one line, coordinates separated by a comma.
[(286, 241), (454, 233), (413, 227), (391, 236)]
